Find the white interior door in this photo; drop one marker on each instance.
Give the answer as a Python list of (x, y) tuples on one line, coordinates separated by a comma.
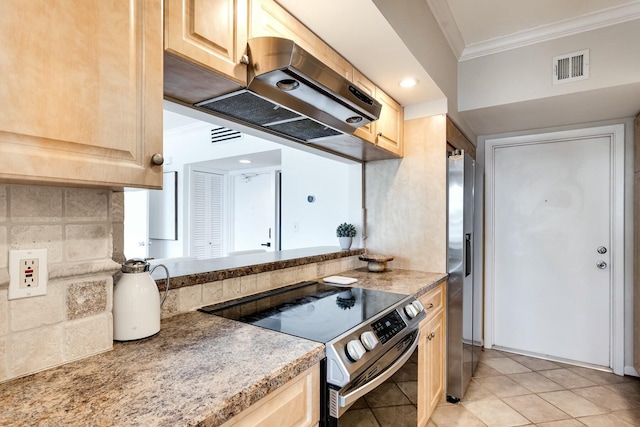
[(254, 212), (551, 207)]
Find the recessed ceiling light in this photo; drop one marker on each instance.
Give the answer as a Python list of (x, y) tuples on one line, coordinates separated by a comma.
[(408, 82), (244, 161)]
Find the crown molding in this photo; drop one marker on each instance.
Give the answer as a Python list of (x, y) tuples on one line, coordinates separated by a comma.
[(589, 22), (443, 15)]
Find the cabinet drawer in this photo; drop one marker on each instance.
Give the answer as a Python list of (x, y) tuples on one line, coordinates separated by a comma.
[(434, 300)]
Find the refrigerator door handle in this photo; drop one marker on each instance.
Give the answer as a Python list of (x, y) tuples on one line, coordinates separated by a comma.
[(468, 259)]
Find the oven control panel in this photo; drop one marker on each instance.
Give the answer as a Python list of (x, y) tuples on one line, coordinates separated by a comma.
[(350, 354), (388, 327)]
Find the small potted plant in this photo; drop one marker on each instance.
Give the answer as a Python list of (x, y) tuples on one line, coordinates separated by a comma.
[(346, 233)]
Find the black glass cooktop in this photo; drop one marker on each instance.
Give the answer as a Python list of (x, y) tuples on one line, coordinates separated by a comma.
[(315, 311)]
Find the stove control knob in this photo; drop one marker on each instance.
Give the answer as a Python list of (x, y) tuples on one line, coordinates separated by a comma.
[(418, 305), (411, 311), (355, 350), (369, 340)]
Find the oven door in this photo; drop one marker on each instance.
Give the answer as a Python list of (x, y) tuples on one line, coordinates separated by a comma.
[(340, 399)]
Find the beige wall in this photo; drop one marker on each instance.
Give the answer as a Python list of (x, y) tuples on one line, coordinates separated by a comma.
[(526, 73), (73, 321), (406, 199)]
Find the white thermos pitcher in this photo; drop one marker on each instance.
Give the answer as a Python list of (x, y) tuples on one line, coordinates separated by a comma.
[(136, 302)]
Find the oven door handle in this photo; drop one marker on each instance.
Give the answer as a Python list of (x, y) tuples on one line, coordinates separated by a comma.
[(354, 395)]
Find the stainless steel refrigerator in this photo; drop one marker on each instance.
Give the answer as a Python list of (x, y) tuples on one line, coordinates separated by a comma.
[(464, 296)]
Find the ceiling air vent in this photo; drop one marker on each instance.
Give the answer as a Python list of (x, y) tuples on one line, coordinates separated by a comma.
[(571, 67), (224, 134)]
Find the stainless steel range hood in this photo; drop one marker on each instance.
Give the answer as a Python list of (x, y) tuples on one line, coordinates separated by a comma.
[(292, 93)]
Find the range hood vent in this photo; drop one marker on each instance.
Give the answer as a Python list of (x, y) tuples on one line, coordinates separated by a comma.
[(251, 108), (292, 93)]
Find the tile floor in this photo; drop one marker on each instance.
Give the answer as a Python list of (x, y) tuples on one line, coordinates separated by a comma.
[(509, 390)]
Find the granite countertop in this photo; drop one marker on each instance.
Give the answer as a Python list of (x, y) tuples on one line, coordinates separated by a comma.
[(407, 282), (200, 370), (192, 271)]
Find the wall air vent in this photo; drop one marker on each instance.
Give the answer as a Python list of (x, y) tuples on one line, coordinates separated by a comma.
[(224, 134), (571, 67)]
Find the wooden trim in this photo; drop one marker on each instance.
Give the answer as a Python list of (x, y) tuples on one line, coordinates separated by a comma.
[(457, 139)]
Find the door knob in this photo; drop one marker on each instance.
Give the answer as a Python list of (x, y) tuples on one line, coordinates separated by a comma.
[(601, 250), (601, 265)]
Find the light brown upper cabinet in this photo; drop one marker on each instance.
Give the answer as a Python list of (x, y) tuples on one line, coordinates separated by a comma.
[(267, 18), (81, 92), (368, 131), (387, 131), (211, 33), (390, 125)]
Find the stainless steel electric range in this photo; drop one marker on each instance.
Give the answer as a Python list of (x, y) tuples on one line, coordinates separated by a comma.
[(368, 334)]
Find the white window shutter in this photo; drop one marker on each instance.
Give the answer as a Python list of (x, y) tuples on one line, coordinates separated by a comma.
[(206, 214)]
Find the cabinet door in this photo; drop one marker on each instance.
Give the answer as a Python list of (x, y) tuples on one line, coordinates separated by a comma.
[(431, 366), (81, 92), (212, 33), (267, 18), (367, 132), (423, 375), (432, 353), (295, 404), (390, 125), (436, 354)]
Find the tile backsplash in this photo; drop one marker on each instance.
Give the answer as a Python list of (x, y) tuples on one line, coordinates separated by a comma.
[(83, 232), (73, 320), (189, 298)]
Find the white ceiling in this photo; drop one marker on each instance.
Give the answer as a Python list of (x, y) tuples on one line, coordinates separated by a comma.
[(259, 160), (479, 21), (358, 31), (476, 28)]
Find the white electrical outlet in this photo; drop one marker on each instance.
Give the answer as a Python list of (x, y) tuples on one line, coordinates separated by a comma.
[(27, 273)]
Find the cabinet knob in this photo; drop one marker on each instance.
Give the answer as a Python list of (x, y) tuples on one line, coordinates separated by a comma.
[(379, 134), (157, 159), (244, 59)]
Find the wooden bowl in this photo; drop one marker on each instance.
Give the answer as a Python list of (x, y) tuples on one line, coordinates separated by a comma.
[(376, 263)]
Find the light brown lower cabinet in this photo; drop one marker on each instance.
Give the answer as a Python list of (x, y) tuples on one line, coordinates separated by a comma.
[(431, 354), (297, 403)]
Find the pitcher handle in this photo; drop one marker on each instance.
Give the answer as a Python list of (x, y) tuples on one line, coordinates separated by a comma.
[(166, 290)]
